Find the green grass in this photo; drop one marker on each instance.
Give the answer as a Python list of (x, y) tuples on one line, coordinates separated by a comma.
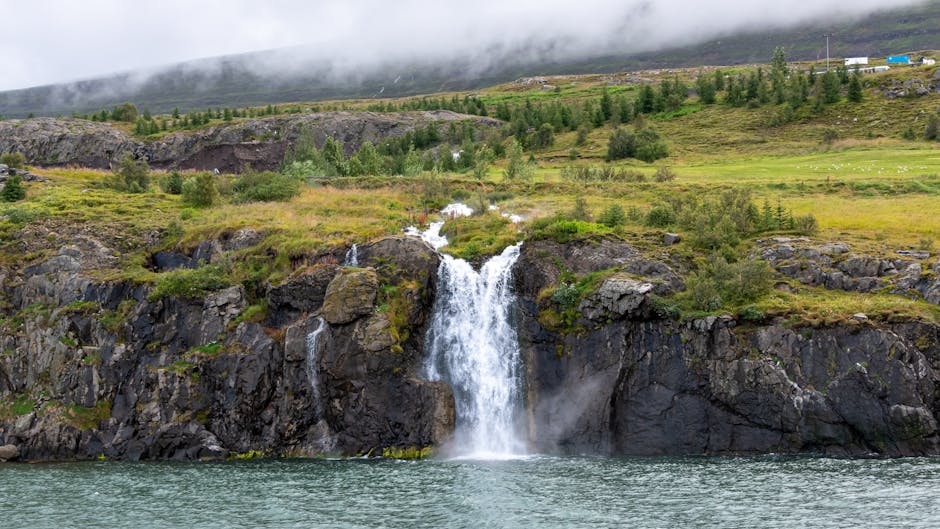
[(870, 188)]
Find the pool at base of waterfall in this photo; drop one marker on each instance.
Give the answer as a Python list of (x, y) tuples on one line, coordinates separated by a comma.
[(529, 492)]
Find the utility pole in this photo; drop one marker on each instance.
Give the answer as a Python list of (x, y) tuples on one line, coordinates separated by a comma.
[(827, 35)]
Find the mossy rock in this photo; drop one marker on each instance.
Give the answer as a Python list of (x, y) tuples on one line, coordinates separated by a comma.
[(350, 295)]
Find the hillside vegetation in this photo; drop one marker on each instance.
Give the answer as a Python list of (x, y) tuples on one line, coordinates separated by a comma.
[(779, 152)]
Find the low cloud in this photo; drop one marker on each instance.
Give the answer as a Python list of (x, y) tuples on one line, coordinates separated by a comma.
[(61, 40)]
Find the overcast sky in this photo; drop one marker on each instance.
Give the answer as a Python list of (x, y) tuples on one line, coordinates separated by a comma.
[(47, 41)]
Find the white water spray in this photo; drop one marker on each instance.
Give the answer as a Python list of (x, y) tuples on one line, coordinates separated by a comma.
[(474, 347), (352, 256), (312, 359)]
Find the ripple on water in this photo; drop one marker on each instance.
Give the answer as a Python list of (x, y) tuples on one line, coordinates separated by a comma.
[(529, 492)]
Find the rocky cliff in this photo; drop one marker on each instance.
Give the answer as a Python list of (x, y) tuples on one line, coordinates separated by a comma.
[(256, 143), (95, 368), (627, 380)]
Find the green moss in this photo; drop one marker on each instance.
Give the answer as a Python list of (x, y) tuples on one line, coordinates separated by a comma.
[(92, 360), (407, 453), (80, 307), (252, 313), (180, 367), (85, 418), (208, 351), (189, 283), (245, 456)]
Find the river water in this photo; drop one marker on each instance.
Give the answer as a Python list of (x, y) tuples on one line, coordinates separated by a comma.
[(533, 492)]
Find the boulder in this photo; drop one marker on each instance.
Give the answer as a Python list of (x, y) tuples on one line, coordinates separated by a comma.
[(9, 453), (671, 238), (303, 291), (618, 296), (350, 295)]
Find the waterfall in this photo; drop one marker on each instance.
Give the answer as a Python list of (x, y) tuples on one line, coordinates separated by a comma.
[(312, 376), (352, 256), (473, 346)]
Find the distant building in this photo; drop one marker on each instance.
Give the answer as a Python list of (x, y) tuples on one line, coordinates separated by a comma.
[(924, 61), (853, 61), (898, 59), (874, 69)]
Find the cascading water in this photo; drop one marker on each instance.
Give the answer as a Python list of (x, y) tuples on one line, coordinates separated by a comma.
[(312, 376), (473, 346), (352, 256)]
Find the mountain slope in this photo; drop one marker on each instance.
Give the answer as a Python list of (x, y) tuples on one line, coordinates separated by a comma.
[(234, 81)]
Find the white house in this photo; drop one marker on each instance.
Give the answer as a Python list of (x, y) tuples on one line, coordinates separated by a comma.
[(853, 61), (924, 61)]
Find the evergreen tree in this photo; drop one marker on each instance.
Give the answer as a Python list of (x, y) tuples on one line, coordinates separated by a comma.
[(706, 89), (606, 105), (831, 87), (778, 65), (734, 95), (646, 100), (13, 190), (544, 136), (719, 80), (855, 93)]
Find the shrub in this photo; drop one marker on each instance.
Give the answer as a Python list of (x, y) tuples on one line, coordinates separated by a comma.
[(932, 129), (751, 313), (189, 283), (601, 174), (622, 144), (200, 190), (720, 283), (566, 296), (805, 224), (580, 211), (518, 167), (613, 216), (649, 146), (661, 216), (172, 183), (13, 160), (582, 136), (133, 176), (562, 230), (664, 174), (265, 187), (13, 190), (829, 136)]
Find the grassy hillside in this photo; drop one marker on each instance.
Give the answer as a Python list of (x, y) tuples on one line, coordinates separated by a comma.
[(228, 82), (848, 164)]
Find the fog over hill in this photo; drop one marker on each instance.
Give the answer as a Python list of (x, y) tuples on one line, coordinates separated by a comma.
[(370, 49)]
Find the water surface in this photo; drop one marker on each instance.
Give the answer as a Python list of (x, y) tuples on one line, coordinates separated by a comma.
[(535, 492)]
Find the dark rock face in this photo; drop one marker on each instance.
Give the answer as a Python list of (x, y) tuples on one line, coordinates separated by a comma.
[(632, 383), (257, 143), (98, 368), (92, 368)]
